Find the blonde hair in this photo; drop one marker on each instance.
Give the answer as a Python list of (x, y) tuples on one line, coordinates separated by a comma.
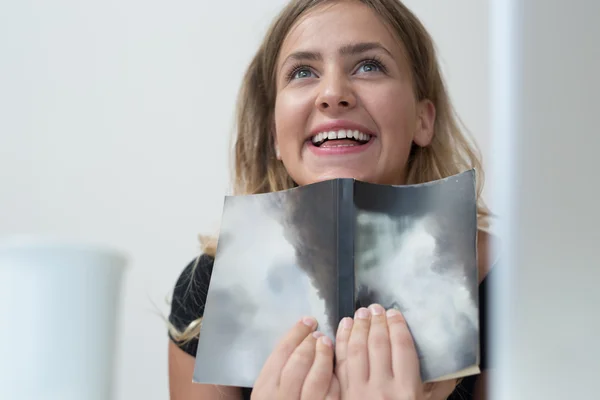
[(255, 166)]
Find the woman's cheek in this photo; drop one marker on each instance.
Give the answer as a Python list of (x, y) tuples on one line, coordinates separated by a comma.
[(390, 108), (291, 122), (292, 112)]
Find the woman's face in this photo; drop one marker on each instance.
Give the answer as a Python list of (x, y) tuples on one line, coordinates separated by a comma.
[(345, 104)]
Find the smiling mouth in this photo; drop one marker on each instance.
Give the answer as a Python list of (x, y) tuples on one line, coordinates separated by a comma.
[(340, 138)]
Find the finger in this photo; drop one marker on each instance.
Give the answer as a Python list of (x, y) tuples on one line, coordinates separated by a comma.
[(334, 392), (380, 357), (341, 350), (271, 371), (297, 367), (317, 382), (405, 362), (357, 353)]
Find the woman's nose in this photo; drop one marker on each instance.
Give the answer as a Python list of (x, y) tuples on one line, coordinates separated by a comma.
[(335, 94)]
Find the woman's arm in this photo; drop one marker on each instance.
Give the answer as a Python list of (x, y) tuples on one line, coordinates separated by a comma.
[(481, 387), (181, 368)]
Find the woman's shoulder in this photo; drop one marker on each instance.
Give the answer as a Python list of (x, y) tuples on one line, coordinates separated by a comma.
[(489, 263), (189, 297), (487, 244), (487, 266)]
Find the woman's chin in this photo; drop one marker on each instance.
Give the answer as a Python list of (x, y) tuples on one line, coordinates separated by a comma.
[(351, 173), (340, 173)]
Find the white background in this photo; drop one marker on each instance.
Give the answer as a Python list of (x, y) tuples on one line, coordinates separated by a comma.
[(115, 118)]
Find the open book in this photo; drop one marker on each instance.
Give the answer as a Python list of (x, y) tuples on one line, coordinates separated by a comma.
[(328, 248)]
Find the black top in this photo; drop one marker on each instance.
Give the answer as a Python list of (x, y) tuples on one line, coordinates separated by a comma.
[(191, 290)]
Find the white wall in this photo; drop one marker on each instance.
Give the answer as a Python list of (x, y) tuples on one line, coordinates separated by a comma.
[(114, 126)]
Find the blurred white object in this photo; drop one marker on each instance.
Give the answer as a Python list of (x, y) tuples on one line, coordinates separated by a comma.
[(544, 108), (59, 305)]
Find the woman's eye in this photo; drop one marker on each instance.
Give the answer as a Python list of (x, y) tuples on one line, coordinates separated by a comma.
[(369, 67), (302, 73)]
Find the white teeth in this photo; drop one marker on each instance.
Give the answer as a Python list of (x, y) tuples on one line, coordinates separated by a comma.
[(340, 134)]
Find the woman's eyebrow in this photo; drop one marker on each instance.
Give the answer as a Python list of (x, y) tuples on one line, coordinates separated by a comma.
[(359, 48), (304, 55), (348, 49)]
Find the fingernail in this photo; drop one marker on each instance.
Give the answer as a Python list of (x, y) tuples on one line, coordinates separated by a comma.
[(362, 313), (347, 323), (376, 309), (310, 322), (318, 334), (326, 341), (392, 312)]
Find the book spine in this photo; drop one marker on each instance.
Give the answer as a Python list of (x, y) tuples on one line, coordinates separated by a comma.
[(345, 246)]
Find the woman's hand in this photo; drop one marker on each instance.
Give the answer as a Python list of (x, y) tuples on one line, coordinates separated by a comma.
[(300, 367), (377, 358)]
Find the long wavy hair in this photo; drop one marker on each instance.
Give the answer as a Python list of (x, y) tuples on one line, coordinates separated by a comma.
[(255, 165)]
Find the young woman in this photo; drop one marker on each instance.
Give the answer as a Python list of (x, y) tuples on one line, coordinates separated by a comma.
[(366, 70)]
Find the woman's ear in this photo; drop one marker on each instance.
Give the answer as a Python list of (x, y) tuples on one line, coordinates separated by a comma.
[(425, 123), (277, 153), (275, 143)]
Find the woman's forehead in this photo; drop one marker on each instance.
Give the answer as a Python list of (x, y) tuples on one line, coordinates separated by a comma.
[(332, 26)]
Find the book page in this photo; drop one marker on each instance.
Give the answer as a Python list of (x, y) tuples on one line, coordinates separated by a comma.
[(415, 250), (275, 263)]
